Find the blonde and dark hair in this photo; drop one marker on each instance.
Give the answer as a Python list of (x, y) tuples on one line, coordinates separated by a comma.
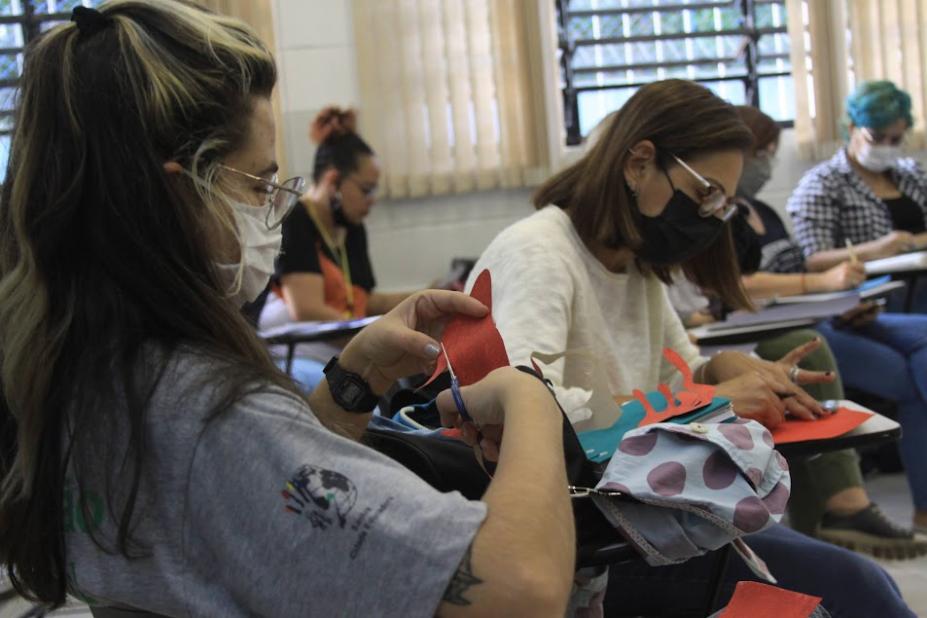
[(103, 265), (681, 118)]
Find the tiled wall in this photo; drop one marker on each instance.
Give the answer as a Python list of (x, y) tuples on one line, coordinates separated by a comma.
[(315, 53)]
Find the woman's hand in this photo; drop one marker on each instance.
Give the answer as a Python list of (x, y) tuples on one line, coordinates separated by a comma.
[(775, 376), (753, 397), (405, 340), (843, 276), (859, 316), (487, 401), (324, 190)]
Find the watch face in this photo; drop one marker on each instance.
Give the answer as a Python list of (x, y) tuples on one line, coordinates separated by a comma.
[(349, 390), (352, 391)]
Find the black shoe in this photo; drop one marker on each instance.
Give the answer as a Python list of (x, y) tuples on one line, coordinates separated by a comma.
[(870, 531)]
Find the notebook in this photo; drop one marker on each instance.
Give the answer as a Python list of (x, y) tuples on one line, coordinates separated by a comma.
[(809, 306), (905, 262)]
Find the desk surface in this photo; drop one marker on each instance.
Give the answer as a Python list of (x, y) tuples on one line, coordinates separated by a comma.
[(751, 333), (902, 263), (304, 332), (876, 430)]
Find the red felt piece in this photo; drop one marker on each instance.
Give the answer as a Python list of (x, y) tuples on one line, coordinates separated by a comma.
[(836, 424), (473, 344), (692, 396), (756, 600)]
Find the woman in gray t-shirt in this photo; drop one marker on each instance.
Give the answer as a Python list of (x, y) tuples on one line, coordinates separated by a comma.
[(151, 454)]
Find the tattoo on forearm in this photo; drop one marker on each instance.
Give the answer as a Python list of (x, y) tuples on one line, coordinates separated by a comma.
[(461, 582)]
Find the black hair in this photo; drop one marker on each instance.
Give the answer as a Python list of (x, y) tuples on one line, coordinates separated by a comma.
[(341, 152)]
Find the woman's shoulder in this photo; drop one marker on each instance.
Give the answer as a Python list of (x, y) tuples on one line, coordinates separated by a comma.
[(546, 231), (194, 384), (823, 181), (829, 170), (909, 166), (299, 222)]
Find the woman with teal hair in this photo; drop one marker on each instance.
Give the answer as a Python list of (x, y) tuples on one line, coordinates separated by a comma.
[(867, 193)]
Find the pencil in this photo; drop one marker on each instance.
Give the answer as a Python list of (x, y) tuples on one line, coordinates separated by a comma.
[(852, 251)]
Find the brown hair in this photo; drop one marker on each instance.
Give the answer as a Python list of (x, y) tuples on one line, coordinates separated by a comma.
[(681, 118), (334, 131), (765, 130)]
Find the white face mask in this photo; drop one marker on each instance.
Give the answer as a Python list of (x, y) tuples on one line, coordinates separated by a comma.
[(260, 247), (877, 158)]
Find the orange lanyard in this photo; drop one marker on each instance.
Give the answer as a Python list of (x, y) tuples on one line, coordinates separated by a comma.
[(340, 252)]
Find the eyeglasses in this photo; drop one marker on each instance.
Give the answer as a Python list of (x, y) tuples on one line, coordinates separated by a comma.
[(368, 192), (876, 137), (281, 198), (712, 200)]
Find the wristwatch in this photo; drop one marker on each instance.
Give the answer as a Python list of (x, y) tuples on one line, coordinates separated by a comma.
[(350, 391)]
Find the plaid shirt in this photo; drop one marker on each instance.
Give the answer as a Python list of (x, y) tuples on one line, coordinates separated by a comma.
[(832, 204)]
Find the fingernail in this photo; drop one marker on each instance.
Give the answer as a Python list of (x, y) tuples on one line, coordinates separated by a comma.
[(432, 350), (829, 373)]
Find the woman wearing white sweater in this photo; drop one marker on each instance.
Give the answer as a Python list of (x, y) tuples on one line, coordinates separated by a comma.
[(585, 275)]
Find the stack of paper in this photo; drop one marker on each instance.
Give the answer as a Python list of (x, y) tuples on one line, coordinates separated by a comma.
[(905, 262), (808, 306)]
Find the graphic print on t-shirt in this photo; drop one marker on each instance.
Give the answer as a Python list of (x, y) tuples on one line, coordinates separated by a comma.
[(321, 496)]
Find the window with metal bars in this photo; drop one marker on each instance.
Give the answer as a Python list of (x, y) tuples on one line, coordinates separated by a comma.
[(610, 48), (21, 21)]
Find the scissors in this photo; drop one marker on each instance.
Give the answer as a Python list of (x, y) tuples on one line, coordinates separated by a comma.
[(462, 409), (455, 389)]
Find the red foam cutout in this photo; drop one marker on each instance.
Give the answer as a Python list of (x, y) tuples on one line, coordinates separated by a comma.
[(756, 600), (473, 344), (836, 424), (691, 397)]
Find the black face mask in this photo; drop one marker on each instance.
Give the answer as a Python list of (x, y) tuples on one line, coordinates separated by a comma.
[(337, 210), (678, 233)]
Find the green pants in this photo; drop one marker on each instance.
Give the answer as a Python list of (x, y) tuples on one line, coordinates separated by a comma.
[(814, 479)]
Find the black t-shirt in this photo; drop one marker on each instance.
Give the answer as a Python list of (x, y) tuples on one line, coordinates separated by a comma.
[(304, 251), (746, 243), (780, 254), (906, 214)]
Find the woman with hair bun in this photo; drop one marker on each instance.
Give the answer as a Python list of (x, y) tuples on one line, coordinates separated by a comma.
[(323, 271)]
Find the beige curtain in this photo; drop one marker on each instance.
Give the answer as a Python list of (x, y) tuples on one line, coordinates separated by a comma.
[(259, 15), (888, 42), (450, 93), (836, 44), (819, 70)]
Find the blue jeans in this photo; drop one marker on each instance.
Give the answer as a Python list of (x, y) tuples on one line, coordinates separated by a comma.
[(888, 358), (849, 584)]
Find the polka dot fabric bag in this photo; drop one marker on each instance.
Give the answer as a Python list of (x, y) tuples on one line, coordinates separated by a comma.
[(695, 487)]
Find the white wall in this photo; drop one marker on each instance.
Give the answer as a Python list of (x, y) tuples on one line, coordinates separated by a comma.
[(411, 241), (315, 54), (788, 171)]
